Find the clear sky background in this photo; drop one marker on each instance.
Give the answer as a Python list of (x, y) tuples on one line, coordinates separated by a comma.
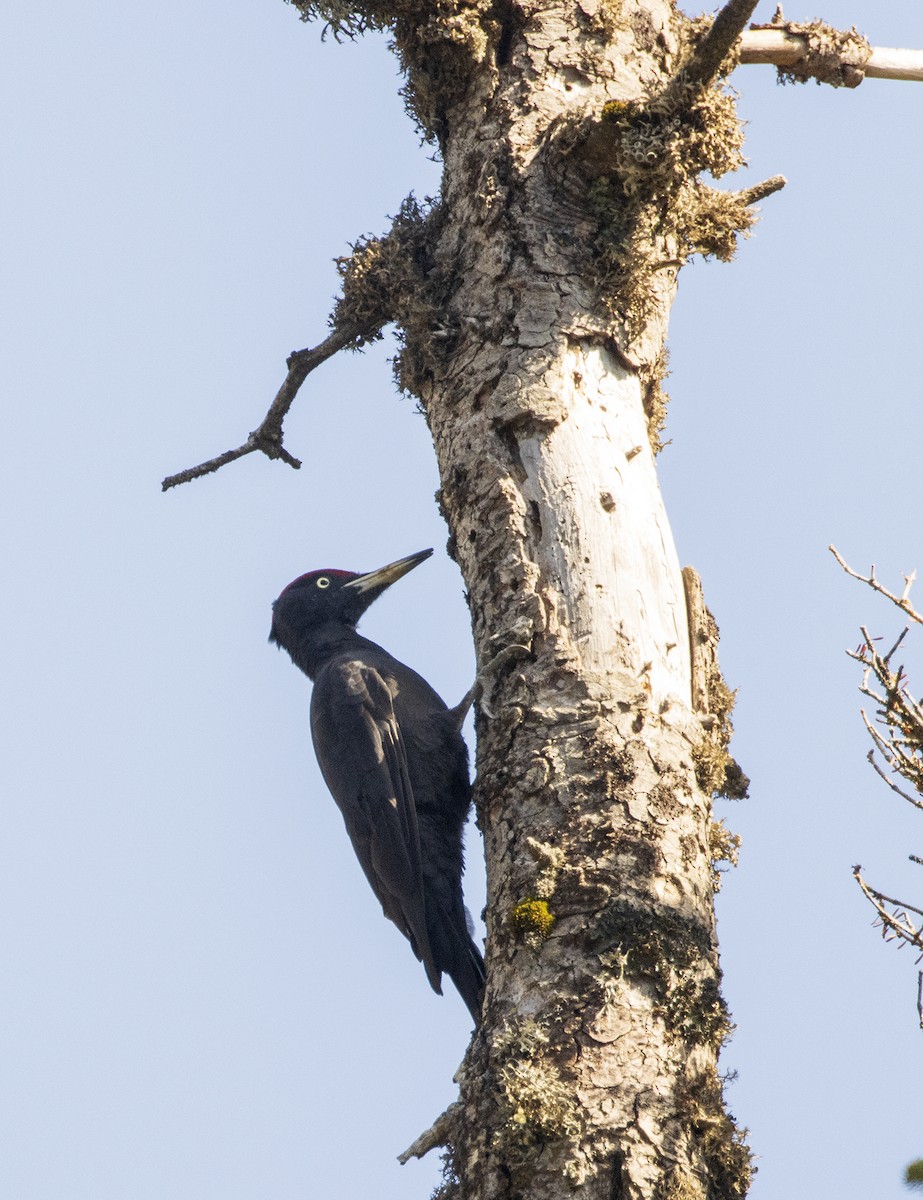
[(200, 998)]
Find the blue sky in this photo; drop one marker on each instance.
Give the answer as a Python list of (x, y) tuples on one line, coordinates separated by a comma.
[(201, 1000)]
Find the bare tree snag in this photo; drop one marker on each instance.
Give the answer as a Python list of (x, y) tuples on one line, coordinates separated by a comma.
[(801, 51)]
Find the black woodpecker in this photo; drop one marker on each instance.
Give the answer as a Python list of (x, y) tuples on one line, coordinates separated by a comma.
[(393, 757)]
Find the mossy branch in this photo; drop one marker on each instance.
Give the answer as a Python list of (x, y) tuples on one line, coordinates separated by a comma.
[(759, 191), (438, 1134), (704, 64)]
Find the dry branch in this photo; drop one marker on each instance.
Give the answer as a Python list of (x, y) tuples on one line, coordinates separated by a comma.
[(267, 437), (898, 714), (895, 922), (897, 735), (902, 601), (438, 1134), (888, 780)]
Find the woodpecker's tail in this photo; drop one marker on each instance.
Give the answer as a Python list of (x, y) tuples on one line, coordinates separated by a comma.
[(467, 973)]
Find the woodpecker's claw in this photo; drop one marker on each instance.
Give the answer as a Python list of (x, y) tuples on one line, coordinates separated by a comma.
[(475, 694)]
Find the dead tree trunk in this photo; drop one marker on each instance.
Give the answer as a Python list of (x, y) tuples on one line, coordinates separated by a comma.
[(532, 301)]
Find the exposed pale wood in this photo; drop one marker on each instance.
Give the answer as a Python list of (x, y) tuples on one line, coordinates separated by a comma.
[(612, 575)]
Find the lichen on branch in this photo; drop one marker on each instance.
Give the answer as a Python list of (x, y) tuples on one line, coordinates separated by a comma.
[(394, 280), (833, 56), (647, 160)]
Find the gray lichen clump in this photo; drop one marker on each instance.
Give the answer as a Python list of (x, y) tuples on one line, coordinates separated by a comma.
[(537, 1105), (645, 158), (393, 279), (668, 948), (438, 46)]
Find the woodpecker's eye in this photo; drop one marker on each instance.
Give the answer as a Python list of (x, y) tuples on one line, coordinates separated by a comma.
[(323, 582)]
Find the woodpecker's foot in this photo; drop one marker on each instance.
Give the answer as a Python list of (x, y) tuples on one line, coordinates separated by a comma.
[(475, 694)]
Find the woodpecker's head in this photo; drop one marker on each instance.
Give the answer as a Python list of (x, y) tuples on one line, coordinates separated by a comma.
[(324, 598)]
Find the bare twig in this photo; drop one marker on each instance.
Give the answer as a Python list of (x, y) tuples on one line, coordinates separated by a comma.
[(780, 48), (899, 735), (901, 755), (705, 61), (267, 438), (902, 601), (896, 923), (890, 782)]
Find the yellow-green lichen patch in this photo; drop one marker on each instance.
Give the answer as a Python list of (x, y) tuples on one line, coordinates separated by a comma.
[(615, 110), (532, 921)]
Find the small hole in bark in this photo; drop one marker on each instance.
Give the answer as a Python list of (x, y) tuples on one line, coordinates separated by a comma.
[(505, 41), (535, 518)]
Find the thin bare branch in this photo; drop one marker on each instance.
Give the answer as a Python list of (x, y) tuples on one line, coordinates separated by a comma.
[(902, 757), (899, 717), (780, 48), (902, 601), (890, 782), (267, 438), (894, 924)]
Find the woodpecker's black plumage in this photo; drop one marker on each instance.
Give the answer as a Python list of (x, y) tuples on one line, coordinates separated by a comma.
[(393, 757)]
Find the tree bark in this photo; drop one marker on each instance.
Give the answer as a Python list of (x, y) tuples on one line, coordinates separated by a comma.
[(533, 311)]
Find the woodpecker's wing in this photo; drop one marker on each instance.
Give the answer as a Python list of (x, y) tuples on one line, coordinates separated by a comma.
[(362, 755)]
